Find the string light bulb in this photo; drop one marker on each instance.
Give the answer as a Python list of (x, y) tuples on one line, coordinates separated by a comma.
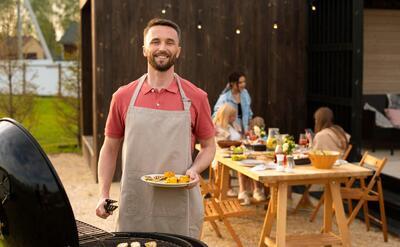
[(313, 8), (275, 26), (163, 11), (238, 31), (199, 26)]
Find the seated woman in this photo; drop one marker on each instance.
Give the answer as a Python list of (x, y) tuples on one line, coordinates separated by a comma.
[(328, 136), (225, 124), (227, 128)]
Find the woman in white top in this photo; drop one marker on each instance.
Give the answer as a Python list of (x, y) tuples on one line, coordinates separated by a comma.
[(225, 125), (328, 135)]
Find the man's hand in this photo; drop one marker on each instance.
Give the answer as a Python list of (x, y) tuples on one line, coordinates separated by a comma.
[(100, 209), (194, 178), (106, 168)]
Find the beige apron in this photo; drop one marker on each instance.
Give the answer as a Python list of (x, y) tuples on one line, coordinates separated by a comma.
[(156, 141)]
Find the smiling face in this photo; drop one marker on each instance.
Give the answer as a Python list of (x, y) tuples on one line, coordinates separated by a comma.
[(161, 47)]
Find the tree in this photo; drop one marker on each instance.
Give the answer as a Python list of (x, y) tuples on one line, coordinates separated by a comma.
[(68, 12), (16, 93), (69, 105)]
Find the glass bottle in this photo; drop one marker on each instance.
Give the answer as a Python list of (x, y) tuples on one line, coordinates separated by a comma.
[(272, 138)]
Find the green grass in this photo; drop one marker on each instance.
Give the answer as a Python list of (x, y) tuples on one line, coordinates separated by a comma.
[(47, 130)]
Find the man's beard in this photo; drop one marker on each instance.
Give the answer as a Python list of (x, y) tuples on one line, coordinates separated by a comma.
[(161, 67)]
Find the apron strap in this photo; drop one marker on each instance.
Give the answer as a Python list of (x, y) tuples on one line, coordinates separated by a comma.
[(137, 90), (186, 101)]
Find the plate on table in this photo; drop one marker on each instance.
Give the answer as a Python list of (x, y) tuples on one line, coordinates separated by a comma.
[(159, 180), (250, 162)]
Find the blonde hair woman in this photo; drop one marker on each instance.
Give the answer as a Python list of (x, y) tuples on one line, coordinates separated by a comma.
[(224, 120), (227, 128)]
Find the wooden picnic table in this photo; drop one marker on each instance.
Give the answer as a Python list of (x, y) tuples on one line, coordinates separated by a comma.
[(278, 183)]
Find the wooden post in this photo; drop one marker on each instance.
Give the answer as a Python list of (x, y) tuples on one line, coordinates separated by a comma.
[(23, 78), (59, 80)]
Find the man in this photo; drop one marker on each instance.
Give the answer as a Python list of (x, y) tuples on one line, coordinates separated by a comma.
[(158, 117)]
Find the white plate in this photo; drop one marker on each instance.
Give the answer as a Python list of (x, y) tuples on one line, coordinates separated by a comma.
[(163, 183), (251, 162)]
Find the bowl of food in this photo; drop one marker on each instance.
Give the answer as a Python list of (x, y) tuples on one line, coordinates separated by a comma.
[(228, 143), (323, 159)]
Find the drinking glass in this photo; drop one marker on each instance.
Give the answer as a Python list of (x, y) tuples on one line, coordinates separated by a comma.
[(303, 140)]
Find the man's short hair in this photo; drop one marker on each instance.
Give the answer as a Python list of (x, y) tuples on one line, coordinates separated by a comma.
[(162, 22)]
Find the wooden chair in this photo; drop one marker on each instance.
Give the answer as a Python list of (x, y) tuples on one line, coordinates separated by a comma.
[(306, 194), (364, 194), (216, 210), (214, 180)]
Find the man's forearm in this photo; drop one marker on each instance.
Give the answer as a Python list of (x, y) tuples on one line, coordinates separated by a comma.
[(204, 158), (106, 168)]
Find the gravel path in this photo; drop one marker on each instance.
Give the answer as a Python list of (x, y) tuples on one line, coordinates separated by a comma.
[(82, 192)]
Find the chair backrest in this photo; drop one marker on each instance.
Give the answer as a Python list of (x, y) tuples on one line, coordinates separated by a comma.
[(214, 179), (347, 152), (370, 161), (373, 162), (205, 187)]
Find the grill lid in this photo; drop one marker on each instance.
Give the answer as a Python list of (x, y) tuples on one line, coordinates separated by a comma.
[(34, 208)]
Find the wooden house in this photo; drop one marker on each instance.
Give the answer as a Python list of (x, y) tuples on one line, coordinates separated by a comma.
[(297, 55)]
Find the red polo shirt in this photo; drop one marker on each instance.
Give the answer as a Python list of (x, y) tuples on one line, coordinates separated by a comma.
[(164, 99)]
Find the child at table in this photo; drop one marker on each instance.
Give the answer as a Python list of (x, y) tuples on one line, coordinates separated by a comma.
[(225, 129), (225, 123)]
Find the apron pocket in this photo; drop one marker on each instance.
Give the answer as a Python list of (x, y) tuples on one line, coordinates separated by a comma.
[(170, 202)]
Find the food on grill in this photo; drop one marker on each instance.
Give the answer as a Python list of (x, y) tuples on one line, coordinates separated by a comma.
[(135, 244), (169, 174), (150, 244), (123, 245)]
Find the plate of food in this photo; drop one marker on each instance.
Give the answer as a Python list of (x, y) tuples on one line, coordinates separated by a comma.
[(168, 180)]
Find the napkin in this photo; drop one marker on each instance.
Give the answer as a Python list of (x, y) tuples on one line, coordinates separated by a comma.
[(340, 162), (263, 167)]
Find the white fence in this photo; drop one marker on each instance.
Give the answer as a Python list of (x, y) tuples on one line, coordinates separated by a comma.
[(46, 75)]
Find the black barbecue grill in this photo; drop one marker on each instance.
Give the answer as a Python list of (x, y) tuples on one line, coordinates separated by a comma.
[(35, 210)]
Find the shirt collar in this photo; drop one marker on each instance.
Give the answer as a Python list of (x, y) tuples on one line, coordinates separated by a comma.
[(172, 88)]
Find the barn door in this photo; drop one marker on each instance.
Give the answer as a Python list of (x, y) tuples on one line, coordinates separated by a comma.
[(335, 63)]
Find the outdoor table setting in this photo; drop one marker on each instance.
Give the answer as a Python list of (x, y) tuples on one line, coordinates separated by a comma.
[(278, 182)]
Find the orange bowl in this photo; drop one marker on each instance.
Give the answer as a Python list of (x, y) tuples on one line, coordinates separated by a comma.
[(228, 143), (323, 159)]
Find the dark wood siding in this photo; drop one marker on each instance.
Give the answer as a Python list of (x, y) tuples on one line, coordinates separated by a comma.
[(335, 63), (274, 60)]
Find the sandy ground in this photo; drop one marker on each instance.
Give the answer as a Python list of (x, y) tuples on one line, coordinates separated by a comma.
[(82, 192)]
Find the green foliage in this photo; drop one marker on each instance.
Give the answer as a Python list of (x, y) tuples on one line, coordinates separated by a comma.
[(288, 145), (47, 130), (44, 13), (70, 12), (68, 107), (5, 4)]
